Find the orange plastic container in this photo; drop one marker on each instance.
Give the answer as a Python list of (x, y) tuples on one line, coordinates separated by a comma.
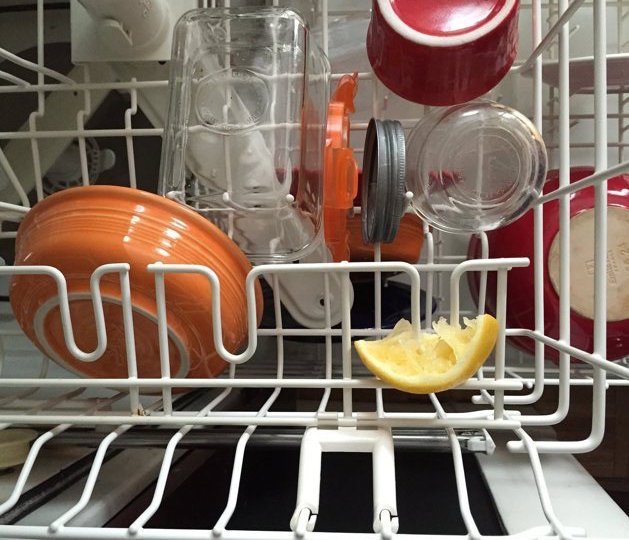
[(406, 247), (340, 182)]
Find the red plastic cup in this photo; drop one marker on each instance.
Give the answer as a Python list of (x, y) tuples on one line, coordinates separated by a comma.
[(442, 52)]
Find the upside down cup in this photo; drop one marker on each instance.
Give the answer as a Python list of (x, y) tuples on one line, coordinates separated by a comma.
[(80, 229), (442, 52)]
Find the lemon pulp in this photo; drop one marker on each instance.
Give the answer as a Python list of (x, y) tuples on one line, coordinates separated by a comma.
[(424, 363)]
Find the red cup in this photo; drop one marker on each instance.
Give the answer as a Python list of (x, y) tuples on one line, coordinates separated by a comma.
[(442, 52), (516, 240)]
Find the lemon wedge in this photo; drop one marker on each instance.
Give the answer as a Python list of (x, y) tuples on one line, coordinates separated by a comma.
[(430, 362)]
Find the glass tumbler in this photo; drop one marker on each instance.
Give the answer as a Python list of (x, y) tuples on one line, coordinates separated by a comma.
[(245, 133), (474, 167)]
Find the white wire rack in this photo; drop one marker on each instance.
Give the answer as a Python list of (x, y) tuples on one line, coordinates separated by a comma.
[(55, 405)]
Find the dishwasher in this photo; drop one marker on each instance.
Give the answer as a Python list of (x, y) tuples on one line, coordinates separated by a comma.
[(300, 440)]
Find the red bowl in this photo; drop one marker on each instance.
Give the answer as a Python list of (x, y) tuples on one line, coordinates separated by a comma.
[(516, 240), (442, 52)]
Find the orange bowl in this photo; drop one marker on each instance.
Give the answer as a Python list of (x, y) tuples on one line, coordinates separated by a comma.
[(80, 229)]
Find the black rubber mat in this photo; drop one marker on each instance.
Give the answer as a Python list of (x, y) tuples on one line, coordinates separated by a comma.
[(426, 493)]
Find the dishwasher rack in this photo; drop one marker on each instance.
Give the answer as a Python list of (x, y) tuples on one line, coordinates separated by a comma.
[(55, 404)]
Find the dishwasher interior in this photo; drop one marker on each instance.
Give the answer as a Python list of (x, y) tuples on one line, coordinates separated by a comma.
[(231, 458)]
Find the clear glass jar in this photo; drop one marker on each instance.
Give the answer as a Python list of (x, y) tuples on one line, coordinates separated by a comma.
[(308, 9), (245, 134), (474, 167)]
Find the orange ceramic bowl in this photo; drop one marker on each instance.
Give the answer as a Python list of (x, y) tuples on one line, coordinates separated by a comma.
[(80, 229)]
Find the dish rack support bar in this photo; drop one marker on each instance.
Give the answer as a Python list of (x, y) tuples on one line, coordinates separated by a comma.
[(378, 442)]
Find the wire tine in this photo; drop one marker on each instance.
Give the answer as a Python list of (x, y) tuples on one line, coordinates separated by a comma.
[(430, 276), (551, 34), (15, 182), (540, 482), (328, 341), (277, 304), (13, 79), (39, 69), (36, 448), (91, 480), (164, 471), (129, 113), (99, 458), (234, 485), (459, 472)]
